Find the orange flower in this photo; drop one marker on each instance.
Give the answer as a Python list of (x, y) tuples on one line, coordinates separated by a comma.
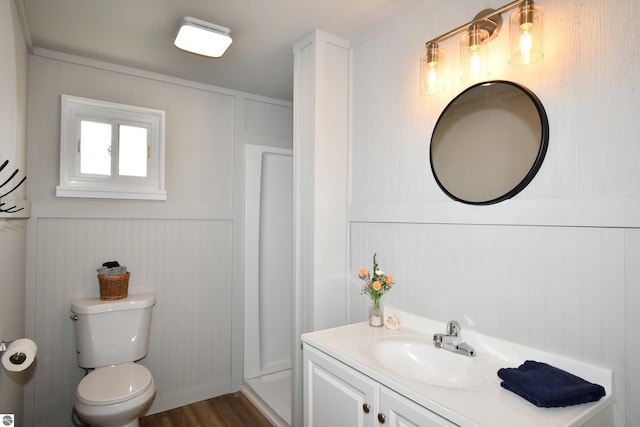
[(376, 286), (362, 273), (388, 280)]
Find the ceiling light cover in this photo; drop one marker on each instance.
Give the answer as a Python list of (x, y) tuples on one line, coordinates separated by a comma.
[(203, 38)]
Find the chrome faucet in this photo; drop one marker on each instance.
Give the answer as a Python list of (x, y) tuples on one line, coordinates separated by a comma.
[(452, 341)]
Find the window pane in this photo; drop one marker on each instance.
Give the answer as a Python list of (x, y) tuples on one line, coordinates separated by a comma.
[(95, 148), (133, 151)]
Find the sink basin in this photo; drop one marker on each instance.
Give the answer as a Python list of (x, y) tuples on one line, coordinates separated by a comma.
[(417, 359)]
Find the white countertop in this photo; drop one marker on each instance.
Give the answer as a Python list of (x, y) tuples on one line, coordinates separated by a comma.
[(486, 405)]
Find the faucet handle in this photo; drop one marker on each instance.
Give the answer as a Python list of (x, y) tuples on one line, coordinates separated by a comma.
[(453, 328)]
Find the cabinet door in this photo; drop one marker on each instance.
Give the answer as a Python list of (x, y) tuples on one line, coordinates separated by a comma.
[(334, 394), (398, 411)]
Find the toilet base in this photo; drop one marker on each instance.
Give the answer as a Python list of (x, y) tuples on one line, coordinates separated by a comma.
[(78, 420), (124, 414)]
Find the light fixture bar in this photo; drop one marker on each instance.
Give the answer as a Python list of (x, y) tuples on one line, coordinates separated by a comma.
[(480, 17)]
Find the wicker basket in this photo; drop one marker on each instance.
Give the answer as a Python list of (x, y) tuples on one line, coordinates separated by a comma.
[(114, 287)]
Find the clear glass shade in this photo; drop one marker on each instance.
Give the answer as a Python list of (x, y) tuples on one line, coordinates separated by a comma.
[(474, 55), (525, 34), (432, 71)]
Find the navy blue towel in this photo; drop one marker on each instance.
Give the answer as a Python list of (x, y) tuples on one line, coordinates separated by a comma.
[(547, 386), (111, 264)]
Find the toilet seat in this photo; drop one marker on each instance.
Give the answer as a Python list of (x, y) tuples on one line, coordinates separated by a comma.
[(114, 384)]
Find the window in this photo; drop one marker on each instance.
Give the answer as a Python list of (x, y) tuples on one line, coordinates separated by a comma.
[(110, 150)]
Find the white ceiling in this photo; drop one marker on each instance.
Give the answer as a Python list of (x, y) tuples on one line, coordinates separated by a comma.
[(140, 34)]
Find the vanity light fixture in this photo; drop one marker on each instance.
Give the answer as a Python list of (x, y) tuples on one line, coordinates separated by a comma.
[(525, 41), (203, 38)]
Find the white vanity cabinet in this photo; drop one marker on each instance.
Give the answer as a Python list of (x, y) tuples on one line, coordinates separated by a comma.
[(356, 375), (338, 395)]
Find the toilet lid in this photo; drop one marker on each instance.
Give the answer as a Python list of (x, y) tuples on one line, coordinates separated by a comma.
[(114, 384)]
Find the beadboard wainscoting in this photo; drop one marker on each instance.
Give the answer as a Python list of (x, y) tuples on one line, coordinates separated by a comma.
[(185, 263)]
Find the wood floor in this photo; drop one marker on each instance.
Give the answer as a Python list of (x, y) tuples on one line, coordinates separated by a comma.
[(230, 410)]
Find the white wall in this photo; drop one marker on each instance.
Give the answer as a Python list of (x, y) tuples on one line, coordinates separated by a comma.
[(555, 267), (188, 250), (13, 96)]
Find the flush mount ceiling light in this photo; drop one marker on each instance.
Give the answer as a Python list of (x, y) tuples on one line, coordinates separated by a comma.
[(203, 38)]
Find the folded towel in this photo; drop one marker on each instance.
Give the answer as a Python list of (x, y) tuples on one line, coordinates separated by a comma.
[(547, 386), (112, 271), (111, 264)]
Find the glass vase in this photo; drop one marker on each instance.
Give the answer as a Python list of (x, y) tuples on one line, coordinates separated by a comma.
[(376, 314)]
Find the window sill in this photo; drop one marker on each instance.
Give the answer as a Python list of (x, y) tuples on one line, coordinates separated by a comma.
[(62, 191)]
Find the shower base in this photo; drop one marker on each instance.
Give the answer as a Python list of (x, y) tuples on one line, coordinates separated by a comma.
[(271, 394)]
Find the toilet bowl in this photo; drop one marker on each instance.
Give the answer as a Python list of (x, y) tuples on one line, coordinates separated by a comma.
[(110, 337), (115, 396)]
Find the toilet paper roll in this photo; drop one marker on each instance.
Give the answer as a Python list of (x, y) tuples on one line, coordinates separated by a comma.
[(19, 355)]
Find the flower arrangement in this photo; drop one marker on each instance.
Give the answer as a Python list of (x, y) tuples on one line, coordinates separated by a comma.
[(376, 284)]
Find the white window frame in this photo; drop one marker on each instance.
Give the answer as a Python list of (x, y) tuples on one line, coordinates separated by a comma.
[(75, 184)]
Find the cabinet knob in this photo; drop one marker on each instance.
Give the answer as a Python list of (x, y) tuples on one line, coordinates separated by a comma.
[(381, 418), (366, 408)]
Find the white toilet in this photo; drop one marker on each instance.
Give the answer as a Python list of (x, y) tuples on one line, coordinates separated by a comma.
[(110, 337)]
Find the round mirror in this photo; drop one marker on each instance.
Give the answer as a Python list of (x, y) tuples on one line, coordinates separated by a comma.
[(489, 143)]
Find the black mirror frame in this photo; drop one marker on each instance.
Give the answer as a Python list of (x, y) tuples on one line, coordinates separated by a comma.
[(535, 167)]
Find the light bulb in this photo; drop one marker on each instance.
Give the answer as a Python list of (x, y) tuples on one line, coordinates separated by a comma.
[(525, 47), (432, 80), (474, 64)]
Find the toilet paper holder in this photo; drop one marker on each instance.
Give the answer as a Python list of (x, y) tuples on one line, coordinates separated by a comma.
[(17, 358)]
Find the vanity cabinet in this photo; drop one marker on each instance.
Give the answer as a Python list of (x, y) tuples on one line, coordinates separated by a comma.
[(338, 395), (356, 375)]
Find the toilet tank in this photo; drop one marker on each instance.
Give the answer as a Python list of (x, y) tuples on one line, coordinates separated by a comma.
[(112, 332)]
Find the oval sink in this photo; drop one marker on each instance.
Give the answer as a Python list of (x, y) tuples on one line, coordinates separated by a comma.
[(417, 359)]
